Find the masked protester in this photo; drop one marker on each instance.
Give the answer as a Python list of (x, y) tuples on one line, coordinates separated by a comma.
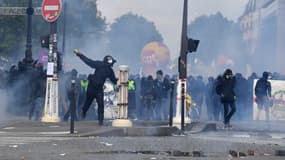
[(225, 89), (103, 70), (263, 95)]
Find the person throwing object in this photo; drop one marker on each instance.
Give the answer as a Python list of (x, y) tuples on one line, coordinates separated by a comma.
[(103, 70)]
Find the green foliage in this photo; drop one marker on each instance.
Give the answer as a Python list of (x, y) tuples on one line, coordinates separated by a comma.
[(217, 36), (82, 21), (127, 37), (11, 34)]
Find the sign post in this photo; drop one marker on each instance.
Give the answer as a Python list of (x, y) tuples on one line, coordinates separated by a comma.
[(51, 10)]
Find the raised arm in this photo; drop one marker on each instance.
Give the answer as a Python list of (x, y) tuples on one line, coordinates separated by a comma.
[(91, 63)]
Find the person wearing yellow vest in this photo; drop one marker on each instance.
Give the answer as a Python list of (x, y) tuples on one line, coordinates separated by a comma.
[(132, 98), (84, 84)]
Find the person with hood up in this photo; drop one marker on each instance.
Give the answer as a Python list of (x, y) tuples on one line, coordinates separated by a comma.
[(103, 70), (225, 89)]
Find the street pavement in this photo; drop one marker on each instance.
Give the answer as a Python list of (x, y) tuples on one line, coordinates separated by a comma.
[(29, 140)]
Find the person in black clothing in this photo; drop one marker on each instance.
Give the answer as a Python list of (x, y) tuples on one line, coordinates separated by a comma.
[(241, 91), (225, 89), (161, 88), (250, 99), (147, 97), (263, 94), (217, 105), (38, 92), (103, 70), (68, 89), (209, 98)]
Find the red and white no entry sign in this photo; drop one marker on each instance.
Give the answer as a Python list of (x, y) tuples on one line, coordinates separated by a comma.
[(51, 10)]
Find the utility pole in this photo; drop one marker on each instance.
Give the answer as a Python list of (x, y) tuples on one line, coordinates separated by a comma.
[(187, 45), (51, 10), (28, 52)]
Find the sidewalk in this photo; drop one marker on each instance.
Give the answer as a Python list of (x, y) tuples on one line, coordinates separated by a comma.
[(85, 129)]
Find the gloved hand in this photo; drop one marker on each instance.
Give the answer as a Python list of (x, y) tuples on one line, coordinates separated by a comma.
[(76, 52)]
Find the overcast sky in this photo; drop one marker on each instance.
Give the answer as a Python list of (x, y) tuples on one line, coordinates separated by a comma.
[(167, 14)]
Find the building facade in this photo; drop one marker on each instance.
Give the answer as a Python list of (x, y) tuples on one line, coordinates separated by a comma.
[(263, 26)]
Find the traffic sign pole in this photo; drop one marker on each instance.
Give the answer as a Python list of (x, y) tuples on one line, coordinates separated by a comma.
[(51, 11)]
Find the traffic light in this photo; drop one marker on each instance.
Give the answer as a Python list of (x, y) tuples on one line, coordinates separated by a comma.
[(45, 41), (193, 45)]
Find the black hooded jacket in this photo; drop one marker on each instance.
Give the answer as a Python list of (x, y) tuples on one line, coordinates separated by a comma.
[(225, 88), (102, 71)]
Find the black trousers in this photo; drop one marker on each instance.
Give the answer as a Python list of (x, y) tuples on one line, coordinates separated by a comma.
[(228, 115), (98, 94)]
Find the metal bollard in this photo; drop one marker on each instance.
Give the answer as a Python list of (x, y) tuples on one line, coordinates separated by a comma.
[(72, 107), (182, 106), (171, 103)]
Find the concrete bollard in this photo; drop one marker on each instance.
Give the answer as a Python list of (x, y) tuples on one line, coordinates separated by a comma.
[(122, 120), (177, 119)]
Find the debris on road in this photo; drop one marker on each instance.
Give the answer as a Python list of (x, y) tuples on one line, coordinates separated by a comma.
[(62, 154), (106, 144), (13, 146)]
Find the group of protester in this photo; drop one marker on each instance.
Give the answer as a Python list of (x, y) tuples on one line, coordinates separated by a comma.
[(149, 96)]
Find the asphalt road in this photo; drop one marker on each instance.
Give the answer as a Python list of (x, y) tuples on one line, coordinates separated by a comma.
[(35, 141)]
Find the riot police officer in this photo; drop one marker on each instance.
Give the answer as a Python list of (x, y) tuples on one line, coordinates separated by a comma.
[(103, 70)]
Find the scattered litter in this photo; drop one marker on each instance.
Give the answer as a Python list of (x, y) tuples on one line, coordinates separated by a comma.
[(62, 154), (106, 144), (152, 158), (266, 154), (54, 126), (23, 158), (233, 154), (13, 146), (9, 128), (54, 144), (178, 135), (250, 152), (241, 136), (241, 154)]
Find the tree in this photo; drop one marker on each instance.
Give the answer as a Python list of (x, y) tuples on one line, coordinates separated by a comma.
[(13, 30), (84, 24), (127, 37), (84, 20), (219, 37)]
